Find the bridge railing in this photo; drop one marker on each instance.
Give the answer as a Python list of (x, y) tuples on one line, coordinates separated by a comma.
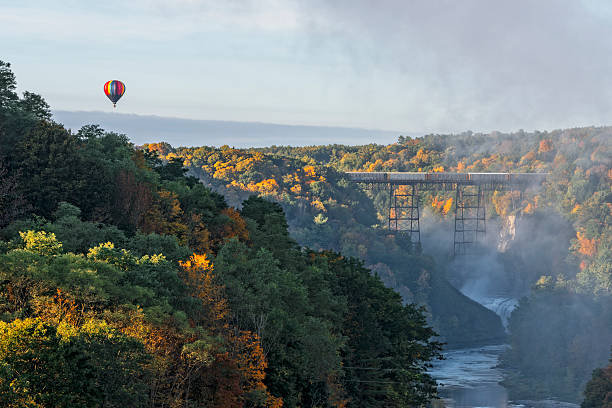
[(445, 177)]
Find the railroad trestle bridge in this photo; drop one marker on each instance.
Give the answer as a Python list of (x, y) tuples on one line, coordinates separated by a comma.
[(469, 201)]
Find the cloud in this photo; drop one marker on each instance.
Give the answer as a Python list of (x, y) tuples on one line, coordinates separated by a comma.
[(268, 15), (145, 20), (487, 63)]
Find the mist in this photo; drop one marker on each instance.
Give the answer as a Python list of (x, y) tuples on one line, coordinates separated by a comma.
[(479, 65), (507, 261)]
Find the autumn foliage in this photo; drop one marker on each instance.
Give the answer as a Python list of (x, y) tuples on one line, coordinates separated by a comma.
[(243, 350)]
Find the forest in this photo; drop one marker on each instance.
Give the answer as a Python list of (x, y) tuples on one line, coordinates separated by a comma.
[(161, 276), (126, 282)]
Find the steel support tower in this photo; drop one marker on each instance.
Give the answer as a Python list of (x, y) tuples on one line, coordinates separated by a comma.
[(404, 211), (470, 218)]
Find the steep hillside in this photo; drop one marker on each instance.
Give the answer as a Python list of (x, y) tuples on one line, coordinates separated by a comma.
[(326, 212)]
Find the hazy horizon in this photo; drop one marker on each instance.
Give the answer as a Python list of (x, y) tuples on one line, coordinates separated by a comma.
[(192, 132)]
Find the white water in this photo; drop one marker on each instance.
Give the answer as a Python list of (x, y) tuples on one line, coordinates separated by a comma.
[(502, 306)]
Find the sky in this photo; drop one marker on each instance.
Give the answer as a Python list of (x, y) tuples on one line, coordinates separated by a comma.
[(431, 66)]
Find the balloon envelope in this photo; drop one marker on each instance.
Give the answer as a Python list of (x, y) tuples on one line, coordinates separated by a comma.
[(114, 90)]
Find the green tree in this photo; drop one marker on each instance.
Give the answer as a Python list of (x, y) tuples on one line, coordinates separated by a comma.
[(35, 105), (8, 84), (50, 168), (389, 346), (12, 204), (598, 391), (44, 365)]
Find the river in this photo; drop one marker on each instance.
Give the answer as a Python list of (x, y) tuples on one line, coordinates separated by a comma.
[(470, 377)]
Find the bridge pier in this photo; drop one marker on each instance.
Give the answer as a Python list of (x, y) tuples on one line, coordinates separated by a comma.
[(404, 211), (470, 218)]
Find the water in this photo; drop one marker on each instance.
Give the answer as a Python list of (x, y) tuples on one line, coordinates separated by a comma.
[(502, 306), (469, 378)]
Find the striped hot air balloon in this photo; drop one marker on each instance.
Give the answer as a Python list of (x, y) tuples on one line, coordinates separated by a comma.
[(114, 90)]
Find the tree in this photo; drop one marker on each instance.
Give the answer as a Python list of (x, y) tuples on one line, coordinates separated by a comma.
[(50, 167), (12, 203), (35, 105), (41, 242), (239, 366), (389, 345), (272, 231), (65, 366), (598, 391), (8, 84)]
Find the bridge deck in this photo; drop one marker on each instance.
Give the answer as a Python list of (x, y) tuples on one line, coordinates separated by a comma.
[(522, 179)]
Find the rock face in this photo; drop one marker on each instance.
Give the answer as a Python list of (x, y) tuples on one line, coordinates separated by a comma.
[(507, 233)]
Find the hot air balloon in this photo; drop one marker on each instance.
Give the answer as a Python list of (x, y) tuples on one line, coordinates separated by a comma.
[(114, 90)]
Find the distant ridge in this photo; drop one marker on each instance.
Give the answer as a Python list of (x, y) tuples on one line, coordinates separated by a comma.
[(187, 132)]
